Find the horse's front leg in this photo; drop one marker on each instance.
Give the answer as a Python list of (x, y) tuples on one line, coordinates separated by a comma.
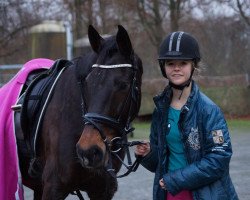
[(37, 195), (53, 188)]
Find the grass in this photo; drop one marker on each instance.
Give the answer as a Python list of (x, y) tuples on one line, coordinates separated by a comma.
[(142, 129), (239, 124)]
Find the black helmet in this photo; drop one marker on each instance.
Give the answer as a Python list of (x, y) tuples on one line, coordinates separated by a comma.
[(178, 46)]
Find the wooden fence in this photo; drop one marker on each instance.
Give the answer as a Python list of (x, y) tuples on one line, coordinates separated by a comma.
[(231, 93)]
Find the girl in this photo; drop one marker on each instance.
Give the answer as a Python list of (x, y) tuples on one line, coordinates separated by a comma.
[(190, 147)]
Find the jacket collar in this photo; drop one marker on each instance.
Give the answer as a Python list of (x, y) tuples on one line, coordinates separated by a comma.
[(192, 97), (164, 99)]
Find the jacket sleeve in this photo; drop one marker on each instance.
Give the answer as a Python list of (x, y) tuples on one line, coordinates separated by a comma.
[(150, 161), (216, 155)]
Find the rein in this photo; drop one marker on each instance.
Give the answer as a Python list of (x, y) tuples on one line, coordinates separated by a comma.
[(122, 142)]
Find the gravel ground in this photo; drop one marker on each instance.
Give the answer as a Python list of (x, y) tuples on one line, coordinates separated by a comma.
[(138, 185)]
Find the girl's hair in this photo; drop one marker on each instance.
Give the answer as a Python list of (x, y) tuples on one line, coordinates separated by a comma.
[(199, 68)]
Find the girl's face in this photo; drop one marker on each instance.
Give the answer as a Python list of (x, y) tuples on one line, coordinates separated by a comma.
[(178, 71)]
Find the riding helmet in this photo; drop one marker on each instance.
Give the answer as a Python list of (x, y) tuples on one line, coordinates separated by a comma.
[(178, 46)]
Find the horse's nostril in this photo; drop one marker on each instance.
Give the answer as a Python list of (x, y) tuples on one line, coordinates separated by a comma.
[(85, 161), (92, 157), (96, 154)]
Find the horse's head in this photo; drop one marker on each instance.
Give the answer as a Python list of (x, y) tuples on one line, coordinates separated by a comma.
[(111, 95)]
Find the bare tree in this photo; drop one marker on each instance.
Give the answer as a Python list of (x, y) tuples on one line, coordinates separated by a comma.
[(103, 14), (244, 10), (82, 15), (155, 14), (242, 7), (148, 21), (16, 17), (14, 23)]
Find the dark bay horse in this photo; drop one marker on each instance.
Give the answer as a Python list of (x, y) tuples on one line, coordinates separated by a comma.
[(93, 104)]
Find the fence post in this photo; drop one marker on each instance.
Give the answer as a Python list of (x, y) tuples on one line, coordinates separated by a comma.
[(248, 80)]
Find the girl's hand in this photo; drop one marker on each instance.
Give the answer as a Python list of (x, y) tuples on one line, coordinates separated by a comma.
[(161, 182), (142, 149)]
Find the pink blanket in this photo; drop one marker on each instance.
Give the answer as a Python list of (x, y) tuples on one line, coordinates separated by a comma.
[(10, 177)]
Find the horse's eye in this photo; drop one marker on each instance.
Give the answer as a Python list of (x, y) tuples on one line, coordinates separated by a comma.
[(123, 85)]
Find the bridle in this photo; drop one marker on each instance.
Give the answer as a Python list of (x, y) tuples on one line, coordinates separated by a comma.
[(124, 128)]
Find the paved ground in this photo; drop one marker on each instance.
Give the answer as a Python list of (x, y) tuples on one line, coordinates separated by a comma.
[(138, 186)]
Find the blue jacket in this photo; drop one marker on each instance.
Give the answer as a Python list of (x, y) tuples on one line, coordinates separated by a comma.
[(207, 145)]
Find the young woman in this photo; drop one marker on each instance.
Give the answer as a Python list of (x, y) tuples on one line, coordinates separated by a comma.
[(190, 147)]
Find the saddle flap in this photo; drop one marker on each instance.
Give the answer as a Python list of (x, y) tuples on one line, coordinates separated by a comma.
[(36, 95), (31, 102)]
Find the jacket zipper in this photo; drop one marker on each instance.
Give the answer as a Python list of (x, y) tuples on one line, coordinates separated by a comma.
[(180, 125)]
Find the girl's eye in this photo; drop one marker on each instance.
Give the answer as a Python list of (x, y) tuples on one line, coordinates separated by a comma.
[(169, 64)]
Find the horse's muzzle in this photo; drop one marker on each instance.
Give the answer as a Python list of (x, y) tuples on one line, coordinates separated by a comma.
[(92, 157)]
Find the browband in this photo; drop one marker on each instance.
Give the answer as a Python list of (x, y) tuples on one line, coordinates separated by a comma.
[(112, 66)]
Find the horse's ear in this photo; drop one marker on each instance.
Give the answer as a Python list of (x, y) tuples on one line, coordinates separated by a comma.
[(95, 39), (123, 41)]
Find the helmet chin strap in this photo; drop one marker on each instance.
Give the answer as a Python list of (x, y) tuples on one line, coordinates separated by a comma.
[(183, 85)]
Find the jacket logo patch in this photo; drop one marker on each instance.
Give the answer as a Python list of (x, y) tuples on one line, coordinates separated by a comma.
[(218, 136), (193, 139)]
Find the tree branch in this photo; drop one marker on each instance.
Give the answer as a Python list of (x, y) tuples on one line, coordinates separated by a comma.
[(242, 13)]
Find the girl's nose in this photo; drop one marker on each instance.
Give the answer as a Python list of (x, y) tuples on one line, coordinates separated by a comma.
[(177, 67)]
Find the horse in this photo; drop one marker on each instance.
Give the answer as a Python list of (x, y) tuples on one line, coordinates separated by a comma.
[(85, 124)]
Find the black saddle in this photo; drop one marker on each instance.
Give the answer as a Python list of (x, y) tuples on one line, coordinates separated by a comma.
[(31, 106)]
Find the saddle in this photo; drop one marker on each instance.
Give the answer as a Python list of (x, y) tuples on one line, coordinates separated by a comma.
[(30, 109)]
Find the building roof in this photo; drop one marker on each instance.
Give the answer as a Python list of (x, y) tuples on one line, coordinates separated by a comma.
[(48, 26), (13, 66)]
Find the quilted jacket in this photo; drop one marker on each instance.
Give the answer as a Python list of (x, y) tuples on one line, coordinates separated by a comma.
[(207, 145)]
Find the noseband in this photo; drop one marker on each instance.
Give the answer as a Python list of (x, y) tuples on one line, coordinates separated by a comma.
[(124, 128)]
